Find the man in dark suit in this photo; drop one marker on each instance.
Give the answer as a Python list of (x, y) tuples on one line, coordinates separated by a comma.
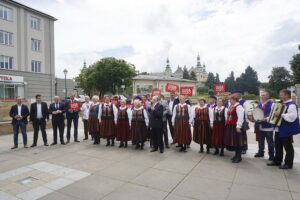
[(72, 116), (38, 114), (156, 124), (19, 114), (57, 109)]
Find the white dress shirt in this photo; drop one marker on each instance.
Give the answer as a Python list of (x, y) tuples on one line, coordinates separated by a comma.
[(291, 114), (85, 109), (19, 110), (171, 103), (39, 111)]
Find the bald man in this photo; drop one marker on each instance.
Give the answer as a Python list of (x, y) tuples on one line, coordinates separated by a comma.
[(57, 110)]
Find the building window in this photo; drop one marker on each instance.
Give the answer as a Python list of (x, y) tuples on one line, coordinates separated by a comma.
[(36, 66), (6, 38), (35, 23), (6, 62), (6, 13), (35, 45), (9, 91)]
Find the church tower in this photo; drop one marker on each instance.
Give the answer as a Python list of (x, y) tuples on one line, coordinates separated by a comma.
[(168, 70)]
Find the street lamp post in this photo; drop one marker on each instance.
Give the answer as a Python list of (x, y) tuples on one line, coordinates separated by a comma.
[(65, 72), (123, 86)]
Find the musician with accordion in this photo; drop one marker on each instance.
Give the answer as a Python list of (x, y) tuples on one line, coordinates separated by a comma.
[(287, 127), (265, 129)]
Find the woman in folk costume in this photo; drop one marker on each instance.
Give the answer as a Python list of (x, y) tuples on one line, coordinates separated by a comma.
[(123, 124), (181, 120), (217, 124), (93, 121), (234, 139), (139, 124), (202, 133), (108, 114)]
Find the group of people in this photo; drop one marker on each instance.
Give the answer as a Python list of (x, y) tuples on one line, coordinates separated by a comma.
[(219, 124)]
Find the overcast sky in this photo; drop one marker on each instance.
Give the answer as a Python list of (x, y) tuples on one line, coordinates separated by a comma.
[(229, 35)]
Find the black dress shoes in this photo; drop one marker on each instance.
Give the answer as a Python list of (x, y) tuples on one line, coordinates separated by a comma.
[(33, 145), (161, 151), (273, 164), (285, 167), (14, 147), (77, 141), (153, 150), (259, 155), (46, 144), (54, 143)]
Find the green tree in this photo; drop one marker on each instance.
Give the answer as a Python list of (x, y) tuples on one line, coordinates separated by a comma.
[(280, 78), (230, 83), (186, 74), (105, 76), (248, 81), (295, 67), (217, 79), (193, 76), (210, 80)]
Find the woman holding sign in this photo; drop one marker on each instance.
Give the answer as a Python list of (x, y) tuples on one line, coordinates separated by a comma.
[(181, 120)]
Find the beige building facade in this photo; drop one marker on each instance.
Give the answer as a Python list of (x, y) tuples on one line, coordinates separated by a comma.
[(27, 65)]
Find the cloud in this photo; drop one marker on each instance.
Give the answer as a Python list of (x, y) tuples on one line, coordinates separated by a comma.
[(229, 34)]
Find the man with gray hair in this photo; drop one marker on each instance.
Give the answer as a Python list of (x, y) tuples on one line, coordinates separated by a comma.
[(165, 105), (156, 124), (57, 110), (85, 108)]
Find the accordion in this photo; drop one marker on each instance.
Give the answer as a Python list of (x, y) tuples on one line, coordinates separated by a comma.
[(277, 108)]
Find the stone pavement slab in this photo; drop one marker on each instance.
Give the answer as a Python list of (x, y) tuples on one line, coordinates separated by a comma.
[(83, 171)]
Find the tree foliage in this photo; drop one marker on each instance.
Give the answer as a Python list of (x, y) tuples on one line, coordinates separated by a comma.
[(295, 67), (217, 79), (193, 76), (210, 80), (105, 76), (280, 78), (230, 82), (248, 81), (186, 74)]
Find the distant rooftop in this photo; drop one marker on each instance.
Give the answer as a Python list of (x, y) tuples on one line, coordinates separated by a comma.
[(15, 3), (159, 78)]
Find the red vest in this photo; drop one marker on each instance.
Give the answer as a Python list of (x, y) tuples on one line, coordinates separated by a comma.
[(232, 115)]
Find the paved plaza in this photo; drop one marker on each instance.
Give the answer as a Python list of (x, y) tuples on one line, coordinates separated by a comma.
[(85, 171)]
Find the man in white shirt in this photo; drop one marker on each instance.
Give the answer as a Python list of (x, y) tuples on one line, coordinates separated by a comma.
[(85, 109), (288, 127)]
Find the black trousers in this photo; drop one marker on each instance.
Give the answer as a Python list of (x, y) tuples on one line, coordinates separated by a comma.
[(287, 144), (60, 125), (74, 119), (165, 132), (169, 118), (157, 136), (37, 125), (85, 127)]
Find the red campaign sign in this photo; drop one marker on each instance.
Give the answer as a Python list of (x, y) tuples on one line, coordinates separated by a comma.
[(219, 88), (186, 91), (75, 106), (170, 87), (156, 92)]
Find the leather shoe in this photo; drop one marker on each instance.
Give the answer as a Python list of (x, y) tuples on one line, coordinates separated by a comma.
[(25, 146), (161, 151), (237, 160), (285, 167), (258, 155), (272, 164), (46, 144), (153, 150), (34, 145), (14, 147), (77, 141), (54, 143)]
